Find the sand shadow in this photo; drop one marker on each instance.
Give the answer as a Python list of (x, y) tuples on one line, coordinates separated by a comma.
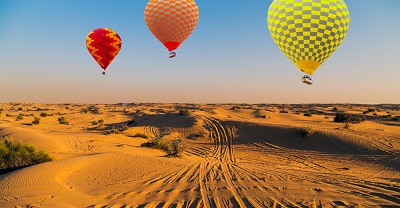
[(287, 137)]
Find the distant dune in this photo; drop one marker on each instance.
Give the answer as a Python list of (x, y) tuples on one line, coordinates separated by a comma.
[(235, 155)]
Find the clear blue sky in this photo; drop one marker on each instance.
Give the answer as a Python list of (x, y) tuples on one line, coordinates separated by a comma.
[(230, 57)]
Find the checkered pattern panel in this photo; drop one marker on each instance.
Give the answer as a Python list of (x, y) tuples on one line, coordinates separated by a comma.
[(171, 20), (104, 45), (308, 29)]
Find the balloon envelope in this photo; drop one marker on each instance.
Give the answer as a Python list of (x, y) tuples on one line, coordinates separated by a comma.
[(171, 21), (103, 44), (308, 31)]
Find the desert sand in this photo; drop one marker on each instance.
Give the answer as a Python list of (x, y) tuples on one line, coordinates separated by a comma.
[(236, 155)]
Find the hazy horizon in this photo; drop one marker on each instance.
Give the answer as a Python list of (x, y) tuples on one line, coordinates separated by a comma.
[(229, 58), (194, 103)]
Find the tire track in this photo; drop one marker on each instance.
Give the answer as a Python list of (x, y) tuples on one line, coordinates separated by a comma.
[(222, 137), (223, 145), (374, 140), (236, 178)]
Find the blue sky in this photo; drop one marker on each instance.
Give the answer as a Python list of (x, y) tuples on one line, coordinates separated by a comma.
[(230, 57)]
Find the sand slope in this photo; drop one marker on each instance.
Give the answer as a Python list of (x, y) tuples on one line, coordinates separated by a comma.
[(236, 156)]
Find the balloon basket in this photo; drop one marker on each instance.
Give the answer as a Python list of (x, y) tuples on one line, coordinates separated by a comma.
[(172, 54), (307, 80)]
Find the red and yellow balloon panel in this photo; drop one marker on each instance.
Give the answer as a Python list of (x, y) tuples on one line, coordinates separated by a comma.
[(103, 44)]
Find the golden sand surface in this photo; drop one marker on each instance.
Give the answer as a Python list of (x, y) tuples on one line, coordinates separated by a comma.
[(236, 155)]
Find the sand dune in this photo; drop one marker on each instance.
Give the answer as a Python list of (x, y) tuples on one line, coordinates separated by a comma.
[(235, 156)]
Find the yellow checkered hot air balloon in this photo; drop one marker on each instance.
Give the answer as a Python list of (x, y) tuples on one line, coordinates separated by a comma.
[(308, 31)]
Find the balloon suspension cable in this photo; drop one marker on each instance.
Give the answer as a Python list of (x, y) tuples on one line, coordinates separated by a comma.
[(172, 54)]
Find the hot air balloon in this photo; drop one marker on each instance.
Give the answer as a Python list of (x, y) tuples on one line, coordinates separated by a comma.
[(171, 21), (308, 31), (103, 44)]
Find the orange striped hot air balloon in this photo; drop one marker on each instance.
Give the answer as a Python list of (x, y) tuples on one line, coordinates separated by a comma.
[(103, 44), (171, 21)]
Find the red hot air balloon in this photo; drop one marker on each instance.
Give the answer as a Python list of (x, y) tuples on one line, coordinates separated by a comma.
[(103, 44), (171, 21)]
